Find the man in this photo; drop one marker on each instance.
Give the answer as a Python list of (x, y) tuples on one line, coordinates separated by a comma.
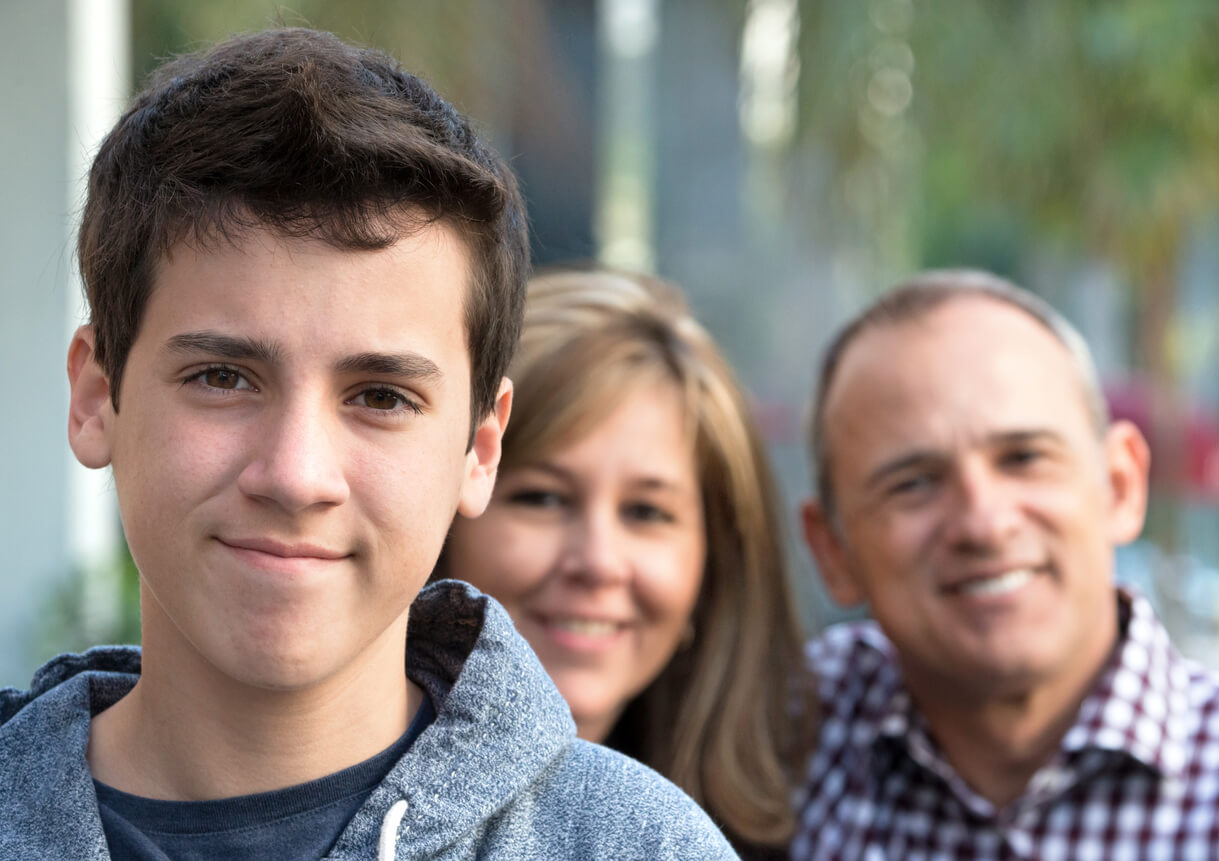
[(1007, 701), (305, 276)]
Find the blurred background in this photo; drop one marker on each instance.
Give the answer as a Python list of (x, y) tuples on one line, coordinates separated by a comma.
[(784, 161)]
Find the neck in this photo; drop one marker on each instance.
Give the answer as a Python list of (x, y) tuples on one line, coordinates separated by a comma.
[(186, 732), (596, 728), (997, 740)]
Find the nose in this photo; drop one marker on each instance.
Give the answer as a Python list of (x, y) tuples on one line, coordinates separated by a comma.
[(596, 550), (297, 460), (985, 512)]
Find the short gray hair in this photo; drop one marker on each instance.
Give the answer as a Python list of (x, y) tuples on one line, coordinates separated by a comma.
[(917, 297)]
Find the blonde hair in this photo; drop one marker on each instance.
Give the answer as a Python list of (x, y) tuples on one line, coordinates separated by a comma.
[(728, 718)]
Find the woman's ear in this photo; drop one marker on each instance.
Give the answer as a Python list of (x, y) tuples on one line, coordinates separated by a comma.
[(90, 412), (482, 461)]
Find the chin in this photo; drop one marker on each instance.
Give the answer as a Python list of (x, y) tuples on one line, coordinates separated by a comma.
[(1008, 676), (281, 671)]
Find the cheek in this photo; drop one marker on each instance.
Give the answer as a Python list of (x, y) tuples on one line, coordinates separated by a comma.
[(411, 487), (670, 582), (892, 541), (1059, 509), (164, 466), (502, 555)]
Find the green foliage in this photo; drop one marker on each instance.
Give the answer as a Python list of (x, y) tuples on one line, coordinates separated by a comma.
[(91, 608), (460, 46), (1089, 123)]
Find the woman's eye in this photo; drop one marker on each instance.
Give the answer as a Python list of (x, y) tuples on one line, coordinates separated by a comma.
[(646, 512), (537, 498)]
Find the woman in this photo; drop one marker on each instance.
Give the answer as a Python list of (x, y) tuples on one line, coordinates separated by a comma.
[(634, 539)]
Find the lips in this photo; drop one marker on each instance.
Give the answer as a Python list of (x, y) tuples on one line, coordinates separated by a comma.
[(295, 560), (282, 549)]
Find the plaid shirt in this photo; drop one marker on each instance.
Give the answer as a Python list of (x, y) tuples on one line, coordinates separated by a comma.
[(1136, 776)]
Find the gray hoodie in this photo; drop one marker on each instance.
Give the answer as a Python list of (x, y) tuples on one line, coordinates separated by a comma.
[(498, 775)]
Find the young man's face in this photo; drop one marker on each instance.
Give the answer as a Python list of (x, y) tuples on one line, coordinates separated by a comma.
[(290, 448), (978, 505)]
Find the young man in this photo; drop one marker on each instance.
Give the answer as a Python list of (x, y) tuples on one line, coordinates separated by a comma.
[(306, 275), (1008, 701)]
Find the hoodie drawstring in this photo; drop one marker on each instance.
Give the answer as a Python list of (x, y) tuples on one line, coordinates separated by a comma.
[(387, 848)]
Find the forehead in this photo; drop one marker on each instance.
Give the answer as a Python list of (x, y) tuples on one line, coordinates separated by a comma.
[(310, 297), (262, 258), (643, 430), (960, 372)]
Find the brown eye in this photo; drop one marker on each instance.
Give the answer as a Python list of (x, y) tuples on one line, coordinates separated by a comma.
[(221, 378), (381, 399), (645, 512)]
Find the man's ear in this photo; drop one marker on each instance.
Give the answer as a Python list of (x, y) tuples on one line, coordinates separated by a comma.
[(1128, 461), (482, 461), (826, 544), (90, 412)]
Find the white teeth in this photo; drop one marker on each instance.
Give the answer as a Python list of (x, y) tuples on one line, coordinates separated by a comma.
[(585, 627), (1001, 585)]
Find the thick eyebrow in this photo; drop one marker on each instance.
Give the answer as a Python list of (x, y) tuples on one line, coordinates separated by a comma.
[(410, 365), (211, 343), (921, 457), (225, 346)]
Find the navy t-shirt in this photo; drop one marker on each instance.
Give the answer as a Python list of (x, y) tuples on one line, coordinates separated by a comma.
[(298, 822)]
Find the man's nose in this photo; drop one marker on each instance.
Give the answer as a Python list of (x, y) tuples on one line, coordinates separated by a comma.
[(595, 549), (297, 461), (984, 508)]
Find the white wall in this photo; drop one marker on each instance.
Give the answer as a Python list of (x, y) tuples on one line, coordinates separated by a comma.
[(63, 72)]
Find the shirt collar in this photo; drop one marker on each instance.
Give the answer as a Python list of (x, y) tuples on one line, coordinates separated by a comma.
[(1135, 708), (1138, 704)]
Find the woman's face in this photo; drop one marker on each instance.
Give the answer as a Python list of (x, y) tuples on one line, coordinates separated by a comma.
[(597, 552)]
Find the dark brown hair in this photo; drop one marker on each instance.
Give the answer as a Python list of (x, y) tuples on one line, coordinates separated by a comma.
[(299, 132)]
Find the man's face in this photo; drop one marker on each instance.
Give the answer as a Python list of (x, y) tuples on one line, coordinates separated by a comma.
[(978, 505), (290, 448)]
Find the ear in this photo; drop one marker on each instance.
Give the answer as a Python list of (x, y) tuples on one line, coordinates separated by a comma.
[(482, 461), (825, 542), (90, 412), (1128, 460)]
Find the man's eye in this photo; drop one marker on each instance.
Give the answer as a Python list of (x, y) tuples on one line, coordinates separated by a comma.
[(227, 379), (1021, 457), (911, 485), (385, 400)]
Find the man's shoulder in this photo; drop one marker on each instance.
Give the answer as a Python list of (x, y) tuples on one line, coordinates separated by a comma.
[(64, 685), (47, 803), (504, 734), (849, 660), (1178, 693), (841, 641), (111, 661), (612, 806), (1149, 665), (584, 801)]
